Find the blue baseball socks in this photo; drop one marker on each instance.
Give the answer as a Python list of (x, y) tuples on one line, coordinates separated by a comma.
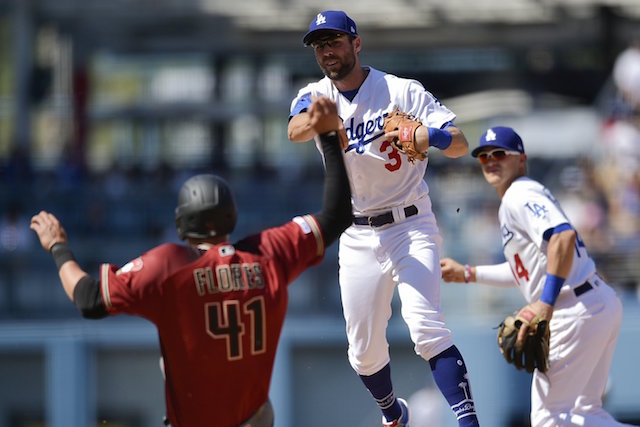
[(450, 375), (380, 387)]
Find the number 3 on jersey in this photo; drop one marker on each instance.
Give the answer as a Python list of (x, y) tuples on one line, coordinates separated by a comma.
[(393, 154), (225, 321), (521, 271)]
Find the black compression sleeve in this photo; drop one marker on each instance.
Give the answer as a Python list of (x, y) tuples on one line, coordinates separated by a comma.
[(87, 298), (335, 216)]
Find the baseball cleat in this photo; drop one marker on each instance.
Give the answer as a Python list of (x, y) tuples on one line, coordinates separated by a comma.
[(403, 421)]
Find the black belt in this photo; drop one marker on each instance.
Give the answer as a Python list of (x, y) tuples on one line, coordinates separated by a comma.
[(383, 219), (582, 289)]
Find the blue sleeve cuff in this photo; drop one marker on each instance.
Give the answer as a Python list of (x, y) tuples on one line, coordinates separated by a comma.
[(551, 290), (560, 228), (439, 138), (448, 125), (302, 105)]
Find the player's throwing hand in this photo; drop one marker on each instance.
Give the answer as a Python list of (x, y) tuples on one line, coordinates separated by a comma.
[(391, 209), (323, 115), (169, 286), (48, 229)]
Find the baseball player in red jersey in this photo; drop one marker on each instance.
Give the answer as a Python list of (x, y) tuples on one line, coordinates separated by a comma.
[(218, 306)]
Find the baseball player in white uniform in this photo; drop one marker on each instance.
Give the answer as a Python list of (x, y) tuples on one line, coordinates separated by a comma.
[(394, 240), (548, 262)]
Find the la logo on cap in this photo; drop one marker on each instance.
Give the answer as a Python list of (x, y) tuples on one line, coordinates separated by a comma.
[(491, 136), (320, 19)]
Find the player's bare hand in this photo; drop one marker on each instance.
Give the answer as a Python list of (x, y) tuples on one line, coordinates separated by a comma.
[(48, 229), (452, 271), (323, 118), (536, 310), (323, 115)]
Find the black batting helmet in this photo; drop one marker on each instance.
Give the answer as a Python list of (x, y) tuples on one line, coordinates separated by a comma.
[(206, 208)]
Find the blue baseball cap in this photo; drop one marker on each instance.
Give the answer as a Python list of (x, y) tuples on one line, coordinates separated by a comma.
[(500, 136), (335, 20)]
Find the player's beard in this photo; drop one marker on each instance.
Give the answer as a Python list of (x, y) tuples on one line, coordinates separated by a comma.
[(341, 69)]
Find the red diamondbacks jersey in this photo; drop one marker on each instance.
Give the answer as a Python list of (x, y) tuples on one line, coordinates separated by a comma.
[(219, 313)]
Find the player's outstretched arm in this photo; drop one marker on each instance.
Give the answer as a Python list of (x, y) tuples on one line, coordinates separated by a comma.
[(81, 288), (335, 216), (497, 275), (53, 239), (301, 129), (453, 271)]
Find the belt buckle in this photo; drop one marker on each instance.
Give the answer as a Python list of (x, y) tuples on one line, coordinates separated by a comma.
[(370, 221)]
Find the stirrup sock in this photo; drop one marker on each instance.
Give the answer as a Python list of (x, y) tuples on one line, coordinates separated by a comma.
[(380, 387)]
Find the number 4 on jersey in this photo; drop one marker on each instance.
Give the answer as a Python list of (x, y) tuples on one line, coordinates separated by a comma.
[(521, 271)]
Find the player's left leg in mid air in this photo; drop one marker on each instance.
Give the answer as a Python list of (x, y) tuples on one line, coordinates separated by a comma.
[(450, 375), (433, 342), (418, 277)]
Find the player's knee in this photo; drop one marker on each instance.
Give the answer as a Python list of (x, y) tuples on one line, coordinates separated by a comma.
[(368, 363), (432, 347), (545, 418)]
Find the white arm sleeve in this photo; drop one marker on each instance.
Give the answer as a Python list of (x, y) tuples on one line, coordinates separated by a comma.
[(495, 275)]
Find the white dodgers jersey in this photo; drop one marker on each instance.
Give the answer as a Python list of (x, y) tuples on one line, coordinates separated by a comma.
[(381, 177), (527, 211)]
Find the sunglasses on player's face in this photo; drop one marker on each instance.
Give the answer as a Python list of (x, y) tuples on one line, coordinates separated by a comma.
[(496, 154), (332, 40)]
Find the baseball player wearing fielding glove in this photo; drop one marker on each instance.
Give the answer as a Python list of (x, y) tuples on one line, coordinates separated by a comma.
[(400, 128), (566, 334), (394, 243), (523, 340)]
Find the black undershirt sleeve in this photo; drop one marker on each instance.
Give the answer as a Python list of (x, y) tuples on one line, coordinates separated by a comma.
[(87, 298), (335, 215)]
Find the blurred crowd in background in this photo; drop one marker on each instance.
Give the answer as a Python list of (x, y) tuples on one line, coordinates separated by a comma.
[(110, 164), (106, 108)]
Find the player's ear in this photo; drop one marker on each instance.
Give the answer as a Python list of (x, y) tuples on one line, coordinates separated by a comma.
[(523, 159), (523, 163), (357, 44)]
